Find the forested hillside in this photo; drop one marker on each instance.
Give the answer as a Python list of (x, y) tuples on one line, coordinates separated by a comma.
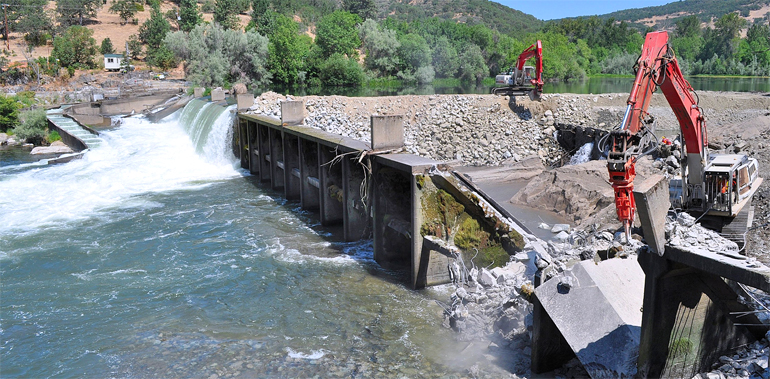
[(375, 42), (705, 10)]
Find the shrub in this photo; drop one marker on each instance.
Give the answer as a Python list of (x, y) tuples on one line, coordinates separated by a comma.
[(341, 71), (208, 6), (33, 126), (53, 137), (9, 113)]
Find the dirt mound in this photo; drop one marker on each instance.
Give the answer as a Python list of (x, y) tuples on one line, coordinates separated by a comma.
[(577, 192)]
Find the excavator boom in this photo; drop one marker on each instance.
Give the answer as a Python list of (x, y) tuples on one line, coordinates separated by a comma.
[(717, 184)]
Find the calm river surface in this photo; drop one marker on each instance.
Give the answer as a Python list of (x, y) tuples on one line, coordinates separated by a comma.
[(595, 85), (153, 256)]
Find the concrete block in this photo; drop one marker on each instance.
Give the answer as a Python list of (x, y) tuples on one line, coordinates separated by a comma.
[(598, 314), (244, 101), (387, 132), (292, 113), (217, 94), (652, 205), (198, 91)]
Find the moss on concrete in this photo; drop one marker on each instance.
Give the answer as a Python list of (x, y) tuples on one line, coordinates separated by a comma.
[(441, 213), (420, 179), (470, 235), (517, 240)]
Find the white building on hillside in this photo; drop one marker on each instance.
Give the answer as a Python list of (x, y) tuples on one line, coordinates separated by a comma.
[(112, 61)]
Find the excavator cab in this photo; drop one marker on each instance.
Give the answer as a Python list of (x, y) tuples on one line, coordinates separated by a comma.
[(729, 182)]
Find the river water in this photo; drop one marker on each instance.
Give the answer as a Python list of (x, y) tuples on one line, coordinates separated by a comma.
[(154, 256)]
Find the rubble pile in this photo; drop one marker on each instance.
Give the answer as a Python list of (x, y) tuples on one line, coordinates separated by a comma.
[(473, 130), (494, 304), (685, 233), (747, 362)]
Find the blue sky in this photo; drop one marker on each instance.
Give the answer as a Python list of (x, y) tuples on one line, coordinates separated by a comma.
[(552, 9)]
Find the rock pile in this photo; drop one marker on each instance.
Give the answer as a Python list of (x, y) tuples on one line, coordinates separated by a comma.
[(747, 362), (474, 130), (685, 233)]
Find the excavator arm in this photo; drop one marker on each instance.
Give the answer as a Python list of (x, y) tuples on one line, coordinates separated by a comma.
[(634, 137), (533, 51)]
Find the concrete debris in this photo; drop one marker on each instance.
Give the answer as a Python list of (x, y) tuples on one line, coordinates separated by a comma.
[(486, 278), (749, 361), (560, 228), (686, 234)]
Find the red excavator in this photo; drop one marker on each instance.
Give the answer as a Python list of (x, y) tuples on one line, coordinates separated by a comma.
[(717, 187), (521, 79)]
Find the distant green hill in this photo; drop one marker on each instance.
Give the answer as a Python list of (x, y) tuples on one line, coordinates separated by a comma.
[(495, 16), (706, 10)]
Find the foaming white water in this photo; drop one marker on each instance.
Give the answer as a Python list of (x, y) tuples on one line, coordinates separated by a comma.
[(136, 159), (583, 154)]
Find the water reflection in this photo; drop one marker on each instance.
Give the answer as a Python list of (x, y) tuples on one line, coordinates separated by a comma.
[(594, 85)]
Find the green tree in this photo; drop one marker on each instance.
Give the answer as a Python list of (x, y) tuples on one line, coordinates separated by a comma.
[(126, 9), (154, 30), (339, 70), (688, 27), (445, 58), (413, 53), (723, 40), (756, 46), (189, 14), (162, 58), (260, 13), (336, 34), (30, 19), (9, 113), (76, 48), (106, 47), (366, 9), (225, 14), (135, 47), (287, 51), (214, 56), (380, 46), (472, 67), (73, 12)]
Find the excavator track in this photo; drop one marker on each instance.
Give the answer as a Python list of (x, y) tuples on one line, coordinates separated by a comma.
[(732, 228)]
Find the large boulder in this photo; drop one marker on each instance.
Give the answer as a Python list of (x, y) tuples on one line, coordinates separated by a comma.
[(57, 147), (575, 192)]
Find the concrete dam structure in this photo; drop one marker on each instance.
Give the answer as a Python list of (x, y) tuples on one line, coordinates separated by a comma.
[(411, 207)]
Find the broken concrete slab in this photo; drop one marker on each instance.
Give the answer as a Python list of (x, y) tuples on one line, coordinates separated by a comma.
[(598, 314), (652, 204)]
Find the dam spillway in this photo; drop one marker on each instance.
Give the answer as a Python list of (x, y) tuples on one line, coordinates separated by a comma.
[(149, 258)]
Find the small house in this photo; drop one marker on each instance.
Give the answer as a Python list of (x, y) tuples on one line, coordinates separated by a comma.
[(112, 61)]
